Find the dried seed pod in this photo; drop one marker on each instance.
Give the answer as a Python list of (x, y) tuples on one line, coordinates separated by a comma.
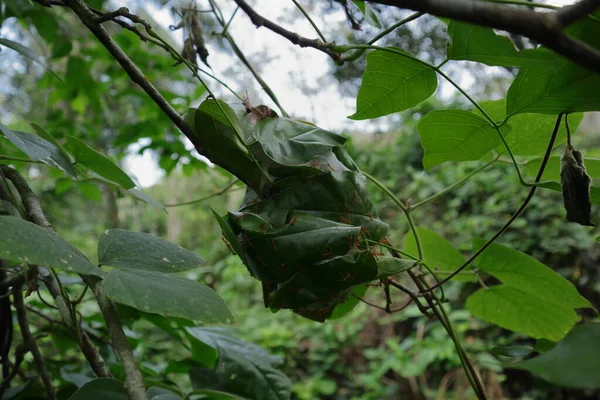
[(196, 31), (575, 184), (188, 52)]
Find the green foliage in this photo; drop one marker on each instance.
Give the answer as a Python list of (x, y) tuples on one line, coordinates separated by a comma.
[(573, 362), (101, 389), (24, 242), (392, 83), (118, 248)]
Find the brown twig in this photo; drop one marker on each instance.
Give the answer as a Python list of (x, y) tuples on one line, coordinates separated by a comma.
[(20, 352), (293, 37), (32, 205), (29, 342), (569, 14)]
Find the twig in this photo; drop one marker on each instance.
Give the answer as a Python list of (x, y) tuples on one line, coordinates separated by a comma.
[(310, 20), (32, 205), (544, 28), (29, 342), (210, 196), (569, 14), (515, 215), (134, 382), (20, 352), (293, 37)]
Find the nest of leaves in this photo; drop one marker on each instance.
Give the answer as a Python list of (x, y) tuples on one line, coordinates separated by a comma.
[(306, 227)]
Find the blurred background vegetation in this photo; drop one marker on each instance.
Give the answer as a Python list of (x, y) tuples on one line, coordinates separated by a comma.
[(367, 354)]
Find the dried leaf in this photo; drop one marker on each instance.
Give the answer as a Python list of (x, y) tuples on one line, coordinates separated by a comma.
[(575, 184)]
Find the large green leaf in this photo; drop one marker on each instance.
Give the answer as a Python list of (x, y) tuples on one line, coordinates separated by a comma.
[(98, 163), (23, 241), (101, 389), (534, 299), (527, 274), (571, 88), (166, 295), (530, 132), (118, 248), (392, 83), (456, 135), (478, 43), (39, 149), (244, 368), (155, 393), (519, 311), (573, 363), (219, 130), (438, 254)]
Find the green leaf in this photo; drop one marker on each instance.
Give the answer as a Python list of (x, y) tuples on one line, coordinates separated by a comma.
[(438, 254), (26, 52), (552, 171), (390, 266), (44, 134), (216, 395), (101, 389), (481, 44), (571, 88), (351, 301), (525, 273), (456, 135), (217, 126), (244, 368), (291, 143), (98, 163), (392, 83), (23, 241), (543, 345), (519, 311), (90, 191), (512, 351), (553, 185), (119, 248), (573, 363), (39, 149), (229, 236), (155, 393), (368, 13), (166, 295), (61, 47), (144, 197), (530, 132)]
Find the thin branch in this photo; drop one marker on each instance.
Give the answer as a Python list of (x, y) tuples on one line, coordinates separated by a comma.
[(544, 28), (134, 382), (29, 342), (570, 14), (310, 20), (515, 215), (293, 37), (32, 205), (20, 352), (200, 200)]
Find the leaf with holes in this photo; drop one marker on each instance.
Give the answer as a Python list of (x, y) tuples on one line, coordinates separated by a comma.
[(166, 295), (123, 249), (456, 135), (23, 241), (98, 163), (39, 149), (392, 83)]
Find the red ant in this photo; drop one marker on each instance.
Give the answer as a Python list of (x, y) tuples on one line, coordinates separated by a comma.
[(293, 220), (227, 244)]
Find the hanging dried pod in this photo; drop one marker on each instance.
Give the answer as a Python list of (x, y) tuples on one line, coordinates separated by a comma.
[(258, 113), (575, 184), (188, 52), (196, 35)]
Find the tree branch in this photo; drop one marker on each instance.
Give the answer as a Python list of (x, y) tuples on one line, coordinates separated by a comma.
[(33, 209), (29, 342), (293, 37), (569, 14), (543, 28), (89, 19)]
